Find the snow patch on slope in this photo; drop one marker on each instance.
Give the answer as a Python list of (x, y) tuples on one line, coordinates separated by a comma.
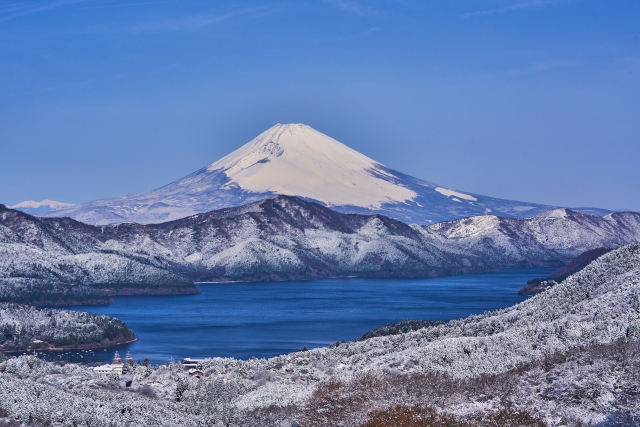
[(449, 193), (295, 159)]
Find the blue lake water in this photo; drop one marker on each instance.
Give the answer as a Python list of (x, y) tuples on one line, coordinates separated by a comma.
[(246, 320)]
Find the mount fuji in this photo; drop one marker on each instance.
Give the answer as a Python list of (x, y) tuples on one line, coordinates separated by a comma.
[(297, 160)]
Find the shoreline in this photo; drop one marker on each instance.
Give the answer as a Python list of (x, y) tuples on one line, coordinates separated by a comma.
[(117, 292), (232, 350), (218, 282), (314, 279), (80, 347), (170, 291)]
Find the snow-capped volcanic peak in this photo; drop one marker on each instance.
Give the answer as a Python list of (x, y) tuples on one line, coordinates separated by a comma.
[(295, 159)]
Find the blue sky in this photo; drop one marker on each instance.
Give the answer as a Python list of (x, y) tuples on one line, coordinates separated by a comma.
[(531, 100)]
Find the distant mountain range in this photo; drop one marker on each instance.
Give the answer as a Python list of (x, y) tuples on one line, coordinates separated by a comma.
[(282, 238), (38, 208), (296, 160)]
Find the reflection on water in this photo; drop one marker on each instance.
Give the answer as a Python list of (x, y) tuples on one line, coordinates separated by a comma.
[(246, 320), (90, 357)]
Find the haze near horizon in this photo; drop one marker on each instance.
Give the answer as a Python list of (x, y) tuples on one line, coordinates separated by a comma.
[(534, 101)]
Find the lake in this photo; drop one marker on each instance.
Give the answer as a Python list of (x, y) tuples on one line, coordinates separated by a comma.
[(245, 320)]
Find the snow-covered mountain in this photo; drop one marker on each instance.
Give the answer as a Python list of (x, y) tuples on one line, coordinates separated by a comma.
[(297, 160), (287, 238), (59, 261), (38, 208)]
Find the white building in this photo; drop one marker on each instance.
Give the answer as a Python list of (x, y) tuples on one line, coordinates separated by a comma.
[(108, 369), (115, 367), (190, 363)]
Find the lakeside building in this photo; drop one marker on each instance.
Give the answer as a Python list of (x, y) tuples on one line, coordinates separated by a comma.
[(114, 368)]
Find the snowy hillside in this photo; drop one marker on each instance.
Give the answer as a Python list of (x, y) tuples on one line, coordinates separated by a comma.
[(25, 327), (297, 160), (559, 234), (567, 357), (42, 263), (285, 238)]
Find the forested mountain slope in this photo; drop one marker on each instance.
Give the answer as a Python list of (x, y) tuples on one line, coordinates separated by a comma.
[(287, 238), (284, 238), (61, 261), (24, 327), (557, 235)]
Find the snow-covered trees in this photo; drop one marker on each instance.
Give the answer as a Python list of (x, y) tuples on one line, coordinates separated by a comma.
[(58, 260), (399, 328), (569, 356), (23, 327), (62, 262)]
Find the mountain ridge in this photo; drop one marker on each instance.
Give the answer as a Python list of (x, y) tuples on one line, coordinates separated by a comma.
[(287, 238)]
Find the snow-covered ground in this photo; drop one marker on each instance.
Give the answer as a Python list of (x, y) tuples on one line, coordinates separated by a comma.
[(567, 357), (61, 262)]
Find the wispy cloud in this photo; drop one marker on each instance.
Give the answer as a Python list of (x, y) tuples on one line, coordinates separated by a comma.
[(353, 6), (371, 31), (531, 68), (548, 65), (514, 7), (192, 22), (108, 6), (23, 9), (179, 23), (330, 39)]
